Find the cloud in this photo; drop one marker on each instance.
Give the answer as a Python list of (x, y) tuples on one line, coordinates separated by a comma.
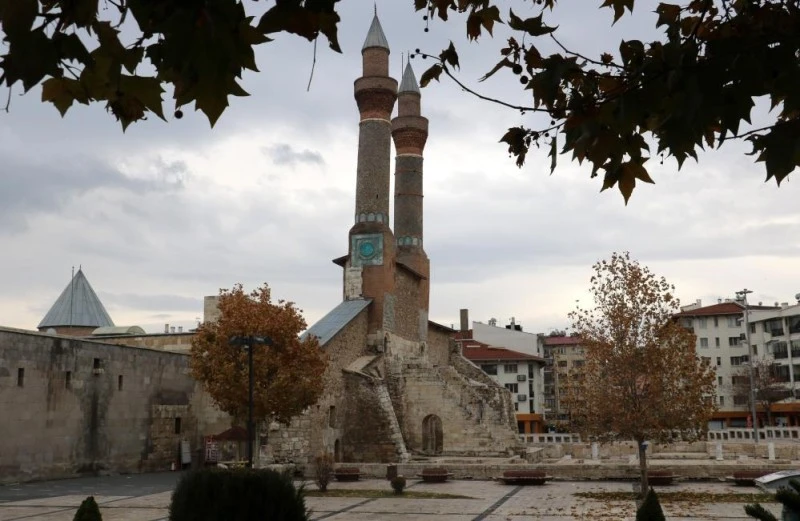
[(48, 185), (283, 154)]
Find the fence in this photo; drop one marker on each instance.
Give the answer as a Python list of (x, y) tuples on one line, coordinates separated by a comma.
[(764, 433)]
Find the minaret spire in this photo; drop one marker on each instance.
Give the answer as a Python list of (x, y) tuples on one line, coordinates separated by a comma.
[(410, 133), (372, 243)]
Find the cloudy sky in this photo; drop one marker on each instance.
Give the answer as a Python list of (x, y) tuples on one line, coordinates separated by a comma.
[(169, 212)]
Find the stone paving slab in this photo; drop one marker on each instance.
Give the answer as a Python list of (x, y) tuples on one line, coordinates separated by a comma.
[(492, 501)]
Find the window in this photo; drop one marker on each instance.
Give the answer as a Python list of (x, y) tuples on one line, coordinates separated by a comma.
[(702, 323), (753, 327), (716, 321), (703, 342), (578, 363), (687, 322), (739, 360), (719, 380), (733, 321), (719, 361), (755, 349), (780, 349), (530, 406), (178, 425), (516, 406), (68, 380), (733, 341), (794, 324), (514, 388), (774, 327), (562, 363), (332, 416), (706, 360), (716, 342), (96, 364), (722, 400), (21, 377), (510, 368), (119, 383), (740, 400), (489, 368)]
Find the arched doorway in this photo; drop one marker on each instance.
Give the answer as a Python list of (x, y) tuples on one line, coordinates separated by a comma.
[(432, 434)]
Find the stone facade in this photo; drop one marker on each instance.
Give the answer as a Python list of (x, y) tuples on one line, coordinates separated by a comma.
[(177, 342), (73, 406)]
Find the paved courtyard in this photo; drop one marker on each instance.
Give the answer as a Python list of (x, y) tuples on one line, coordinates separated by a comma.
[(146, 498)]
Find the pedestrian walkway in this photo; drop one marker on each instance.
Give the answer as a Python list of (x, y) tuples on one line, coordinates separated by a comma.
[(147, 497)]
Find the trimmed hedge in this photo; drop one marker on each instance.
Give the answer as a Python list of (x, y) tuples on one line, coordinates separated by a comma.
[(650, 509), (237, 495), (88, 511)]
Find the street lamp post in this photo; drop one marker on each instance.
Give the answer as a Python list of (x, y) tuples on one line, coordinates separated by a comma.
[(249, 342), (743, 295)]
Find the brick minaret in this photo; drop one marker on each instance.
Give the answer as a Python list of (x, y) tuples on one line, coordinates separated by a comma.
[(410, 132), (372, 244)]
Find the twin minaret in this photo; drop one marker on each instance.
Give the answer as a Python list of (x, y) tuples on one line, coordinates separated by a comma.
[(376, 253)]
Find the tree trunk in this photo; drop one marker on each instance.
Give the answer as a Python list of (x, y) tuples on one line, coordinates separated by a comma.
[(643, 467), (769, 415)]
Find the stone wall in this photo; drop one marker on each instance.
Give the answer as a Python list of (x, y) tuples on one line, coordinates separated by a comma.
[(407, 306), (72, 406), (177, 342), (314, 432), (438, 345), (368, 436)]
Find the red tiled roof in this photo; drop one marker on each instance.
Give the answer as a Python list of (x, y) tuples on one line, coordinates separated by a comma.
[(483, 352), (723, 308), (561, 340)]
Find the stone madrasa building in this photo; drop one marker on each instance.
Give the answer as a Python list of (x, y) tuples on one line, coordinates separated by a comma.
[(397, 383)]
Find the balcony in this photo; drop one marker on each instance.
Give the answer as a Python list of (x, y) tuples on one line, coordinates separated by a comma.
[(781, 354)]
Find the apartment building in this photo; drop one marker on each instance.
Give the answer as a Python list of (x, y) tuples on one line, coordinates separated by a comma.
[(775, 335), (520, 370), (721, 342), (563, 356)]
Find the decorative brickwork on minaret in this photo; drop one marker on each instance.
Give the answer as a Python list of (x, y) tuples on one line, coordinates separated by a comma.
[(410, 133), (372, 244)]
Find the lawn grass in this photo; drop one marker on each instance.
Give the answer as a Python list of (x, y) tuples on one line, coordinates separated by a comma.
[(367, 493), (684, 497)]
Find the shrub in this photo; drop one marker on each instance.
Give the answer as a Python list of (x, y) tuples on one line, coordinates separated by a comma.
[(323, 469), (88, 511), (788, 497), (238, 494), (398, 484), (650, 509)]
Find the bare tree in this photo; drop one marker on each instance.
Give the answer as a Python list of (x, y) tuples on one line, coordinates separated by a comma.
[(642, 380), (769, 386)]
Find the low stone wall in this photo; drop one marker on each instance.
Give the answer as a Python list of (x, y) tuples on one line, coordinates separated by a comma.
[(570, 472)]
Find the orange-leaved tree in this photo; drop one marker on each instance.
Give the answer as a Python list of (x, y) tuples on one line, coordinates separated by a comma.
[(642, 379), (287, 374)]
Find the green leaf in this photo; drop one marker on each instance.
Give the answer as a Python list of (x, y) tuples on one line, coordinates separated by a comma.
[(619, 7), (61, 93), (667, 14), (532, 26), (516, 138), (431, 74), (553, 153), (146, 90), (505, 62), (450, 56), (17, 17), (482, 18)]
